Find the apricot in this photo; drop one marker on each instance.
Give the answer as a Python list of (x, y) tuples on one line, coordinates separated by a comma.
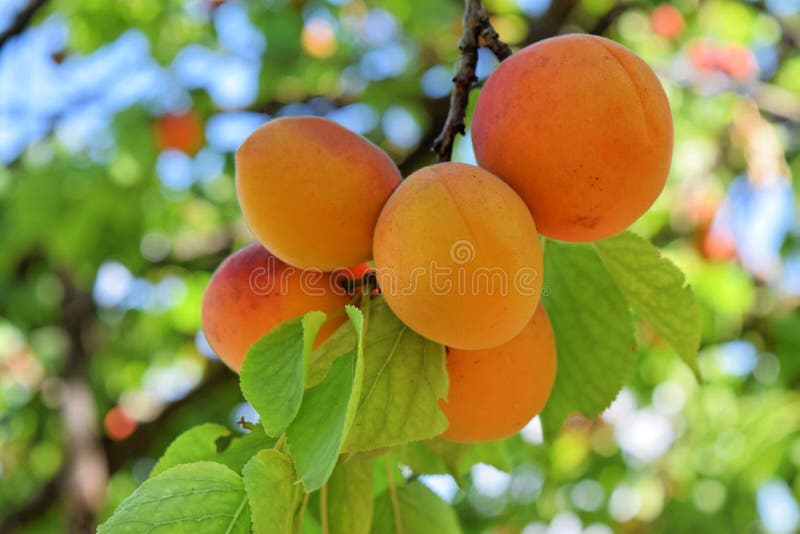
[(581, 128), (252, 291), (182, 132), (495, 392), (311, 191), (457, 256)]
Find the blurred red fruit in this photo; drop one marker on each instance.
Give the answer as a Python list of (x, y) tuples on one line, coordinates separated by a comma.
[(703, 54), (701, 210), (738, 61), (180, 131), (119, 425), (717, 246), (666, 21)]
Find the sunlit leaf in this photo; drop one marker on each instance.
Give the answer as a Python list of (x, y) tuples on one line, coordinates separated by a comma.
[(269, 480), (213, 443), (188, 498), (656, 289), (350, 498), (315, 437), (404, 378), (273, 374), (594, 334)]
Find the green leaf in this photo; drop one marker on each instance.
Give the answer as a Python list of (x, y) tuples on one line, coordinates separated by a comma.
[(404, 378), (185, 499), (315, 437), (358, 321), (420, 512), (593, 330), (342, 341), (350, 497), (656, 289), (269, 480), (273, 374), (213, 443)]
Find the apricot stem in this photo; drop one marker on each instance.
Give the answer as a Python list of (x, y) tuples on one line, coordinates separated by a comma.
[(368, 280), (477, 29), (323, 508), (301, 513), (398, 523)]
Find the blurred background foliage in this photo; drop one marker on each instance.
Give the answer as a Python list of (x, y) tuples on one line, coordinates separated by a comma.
[(118, 121)]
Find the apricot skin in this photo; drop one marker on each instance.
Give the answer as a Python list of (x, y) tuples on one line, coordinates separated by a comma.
[(495, 392), (440, 233), (311, 191), (581, 128), (252, 291)]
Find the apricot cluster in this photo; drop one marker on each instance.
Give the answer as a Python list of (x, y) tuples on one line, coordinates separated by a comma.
[(311, 192), (573, 133)]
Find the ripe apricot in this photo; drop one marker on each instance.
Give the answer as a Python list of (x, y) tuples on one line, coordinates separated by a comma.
[(252, 291), (311, 191), (180, 131), (581, 128), (457, 256), (495, 392)]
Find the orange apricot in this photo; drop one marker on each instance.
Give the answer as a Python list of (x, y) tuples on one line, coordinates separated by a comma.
[(581, 128), (311, 191), (252, 291), (457, 256), (495, 392)]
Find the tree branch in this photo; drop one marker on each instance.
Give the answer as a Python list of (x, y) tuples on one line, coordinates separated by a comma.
[(609, 18), (477, 28), (21, 21), (86, 472), (142, 442)]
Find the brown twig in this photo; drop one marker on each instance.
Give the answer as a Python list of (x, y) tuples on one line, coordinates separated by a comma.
[(477, 28), (21, 21)]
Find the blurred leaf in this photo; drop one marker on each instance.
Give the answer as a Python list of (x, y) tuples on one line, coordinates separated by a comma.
[(213, 443), (420, 512), (594, 334), (273, 374), (656, 289), (202, 496), (269, 480)]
